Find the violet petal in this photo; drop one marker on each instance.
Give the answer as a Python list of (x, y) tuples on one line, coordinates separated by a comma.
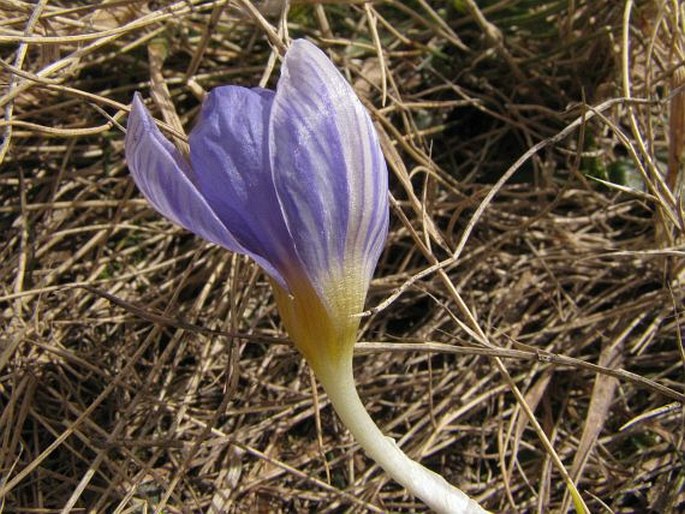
[(163, 176), (228, 152), (328, 168)]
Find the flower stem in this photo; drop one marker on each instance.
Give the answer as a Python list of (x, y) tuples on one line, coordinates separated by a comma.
[(338, 381)]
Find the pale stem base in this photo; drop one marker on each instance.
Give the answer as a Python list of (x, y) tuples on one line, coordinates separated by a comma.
[(434, 490)]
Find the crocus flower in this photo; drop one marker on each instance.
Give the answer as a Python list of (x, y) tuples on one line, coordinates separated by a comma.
[(294, 178)]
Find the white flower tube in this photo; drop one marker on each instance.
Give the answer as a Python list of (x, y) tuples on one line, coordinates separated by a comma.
[(423, 483)]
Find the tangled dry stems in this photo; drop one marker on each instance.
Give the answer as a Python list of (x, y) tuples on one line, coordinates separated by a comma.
[(143, 370)]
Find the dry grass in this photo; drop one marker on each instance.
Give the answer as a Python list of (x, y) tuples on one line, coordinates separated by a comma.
[(536, 250)]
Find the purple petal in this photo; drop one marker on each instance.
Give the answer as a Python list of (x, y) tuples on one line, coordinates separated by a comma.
[(163, 176), (228, 151), (328, 168)]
